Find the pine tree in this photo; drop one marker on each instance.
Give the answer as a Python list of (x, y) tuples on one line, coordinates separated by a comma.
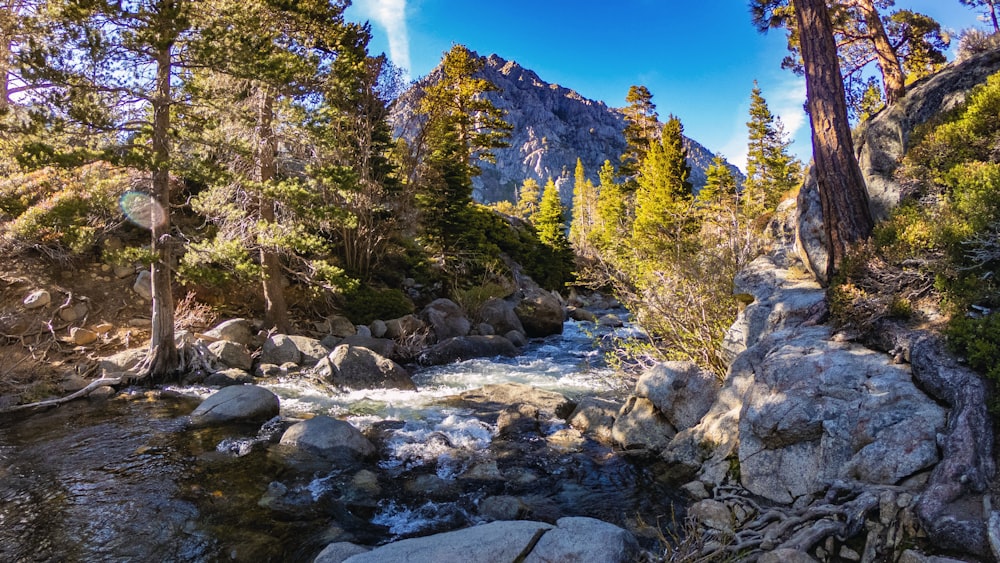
[(771, 171), (111, 68), (641, 124), (664, 196), (989, 9), (528, 196), (720, 187), (460, 124), (584, 212), (613, 224), (550, 223)]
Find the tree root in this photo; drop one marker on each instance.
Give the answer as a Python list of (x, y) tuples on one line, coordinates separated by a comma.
[(841, 514), (49, 403)]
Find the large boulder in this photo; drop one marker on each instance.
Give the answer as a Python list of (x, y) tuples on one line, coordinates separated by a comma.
[(237, 403), (640, 425), (446, 318), (231, 354), (284, 348), (571, 539), (821, 410), (381, 346), (541, 313), (500, 314), (682, 391), (329, 438), (595, 416), (355, 367), (126, 361), (239, 331), (497, 397), (466, 348), (404, 328)]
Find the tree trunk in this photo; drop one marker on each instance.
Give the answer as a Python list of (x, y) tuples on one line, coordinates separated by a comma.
[(265, 161), (163, 359), (843, 196), (993, 17), (888, 61)]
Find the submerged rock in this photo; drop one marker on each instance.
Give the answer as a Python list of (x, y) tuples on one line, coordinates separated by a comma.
[(466, 348), (236, 403), (329, 438)]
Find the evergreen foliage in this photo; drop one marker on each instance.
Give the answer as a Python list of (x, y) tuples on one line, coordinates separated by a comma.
[(771, 171), (641, 129), (584, 215), (529, 195), (664, 196)]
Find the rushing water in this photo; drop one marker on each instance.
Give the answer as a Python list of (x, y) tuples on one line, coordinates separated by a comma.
[(132, 481)]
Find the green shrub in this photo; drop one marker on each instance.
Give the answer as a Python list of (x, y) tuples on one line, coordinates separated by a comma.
[(366, 304), (978, 340)]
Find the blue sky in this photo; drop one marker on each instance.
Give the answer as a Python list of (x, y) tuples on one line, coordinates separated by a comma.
[(699, 59)]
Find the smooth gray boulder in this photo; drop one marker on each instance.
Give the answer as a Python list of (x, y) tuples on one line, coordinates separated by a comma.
[(231, 354), (381, 346), (498, 397), (499, 314), (682, 391), (585, 539), (356, 367), (338, 552), (236, 403), (329, 438), (640, 425), (541, 313), (495, 541), (466, 348), (239, 331), (404, 328), (285, 348), (595, 416), (446, 318)]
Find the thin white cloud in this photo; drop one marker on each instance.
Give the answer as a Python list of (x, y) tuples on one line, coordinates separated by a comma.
[(390, 15)]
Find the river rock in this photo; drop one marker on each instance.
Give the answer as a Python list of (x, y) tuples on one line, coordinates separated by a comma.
[(517, 420), (466, 348), (378, 328), (821, 409), (341, 326), (582, 315), (238, 403), (516, 338), (681, 391), (585, 539), (404, 328), (283, 348), (497, 397), (495, 541), (595, 416), (499, 314), (355, 367), (144, 285), (239, 331), (541, 313), (640, 425), (37, 299), (502, 507), (446, 318), (381, 346), (231, 354), (82, 337), (713, 514), (339, 552), (786, 556), (362, 331), (125, 361), (227, 377), (329, 438)]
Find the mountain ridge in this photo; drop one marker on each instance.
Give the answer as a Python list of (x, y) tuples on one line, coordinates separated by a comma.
[(553, 126)]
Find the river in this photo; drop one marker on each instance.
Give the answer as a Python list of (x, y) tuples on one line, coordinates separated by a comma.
[(129, 479)]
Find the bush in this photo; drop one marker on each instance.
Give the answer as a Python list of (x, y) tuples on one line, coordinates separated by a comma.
[(366, 304), (60, 212), (978, 340)]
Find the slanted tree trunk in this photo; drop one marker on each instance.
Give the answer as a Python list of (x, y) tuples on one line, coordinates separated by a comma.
[(843, 196), (163, 359), (888, 61), (266, 163)]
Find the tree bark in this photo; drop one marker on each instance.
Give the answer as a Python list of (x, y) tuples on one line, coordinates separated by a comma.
[(888, 62), (843, 195), (266, 163), (163, 358)]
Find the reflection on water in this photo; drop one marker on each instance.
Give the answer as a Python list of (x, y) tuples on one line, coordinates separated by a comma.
[(132, 482)]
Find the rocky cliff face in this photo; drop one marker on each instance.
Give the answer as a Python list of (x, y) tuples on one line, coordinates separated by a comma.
[(553, 126)]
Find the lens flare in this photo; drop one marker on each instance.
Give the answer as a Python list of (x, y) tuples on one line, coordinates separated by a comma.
[(142, 209)]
